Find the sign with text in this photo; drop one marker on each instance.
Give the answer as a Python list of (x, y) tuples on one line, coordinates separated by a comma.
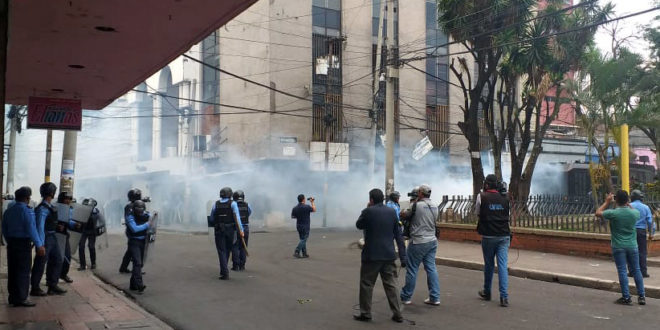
[(51, 113)]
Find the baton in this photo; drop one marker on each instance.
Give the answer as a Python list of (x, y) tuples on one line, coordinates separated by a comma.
[(242, 239)]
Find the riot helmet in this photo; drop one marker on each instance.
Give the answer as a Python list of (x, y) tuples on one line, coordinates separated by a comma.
[(225, 192), (90, 201), (64, 197), (139, 207), (48, 189), (636, 195), (238, 195), (134, 194)]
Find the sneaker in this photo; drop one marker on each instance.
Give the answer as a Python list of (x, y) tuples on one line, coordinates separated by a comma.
[(55, 290), (37, 292), (641, 300), (428, 301), (624, 301), (504, 302), (406, 302), (484, 295)]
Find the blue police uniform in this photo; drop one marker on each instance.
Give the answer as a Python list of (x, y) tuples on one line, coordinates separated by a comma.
[(89, 236), (20, 230), (46, 219), (136, 230), (123, 268), (223, 215), (238, 253)]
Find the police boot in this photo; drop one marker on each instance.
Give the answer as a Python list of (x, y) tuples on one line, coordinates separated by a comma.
[(37, 292), (55, 290)]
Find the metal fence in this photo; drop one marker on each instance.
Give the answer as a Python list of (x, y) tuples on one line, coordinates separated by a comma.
[(550, 212)]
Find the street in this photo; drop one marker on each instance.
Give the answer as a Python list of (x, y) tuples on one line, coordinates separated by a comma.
[(280, 292)]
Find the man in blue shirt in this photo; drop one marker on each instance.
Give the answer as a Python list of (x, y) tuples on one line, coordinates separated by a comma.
[(46, 215), (20, 230), (644, 224), (301, 213), (137, 224), (393, 202), (226, 220)]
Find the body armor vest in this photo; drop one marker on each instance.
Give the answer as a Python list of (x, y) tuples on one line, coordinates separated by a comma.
[(223, 213), (139, 220), (244, 211), (51, 219)]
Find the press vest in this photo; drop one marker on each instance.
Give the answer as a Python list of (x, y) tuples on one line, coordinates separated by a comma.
[(493, 215), (223, 213), (51, 219), (244, 211), (139, 220)]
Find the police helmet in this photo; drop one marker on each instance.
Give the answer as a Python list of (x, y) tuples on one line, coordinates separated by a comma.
[(238, 195), (636, 195), (395, 195), (47, 189), (134, 194), (63, 196), (225, 192), (139, 207), (90, 201)]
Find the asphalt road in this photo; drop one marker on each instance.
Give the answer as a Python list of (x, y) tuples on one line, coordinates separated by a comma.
[(278, 291)]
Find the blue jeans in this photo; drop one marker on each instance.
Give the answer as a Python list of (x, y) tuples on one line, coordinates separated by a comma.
[(416, 254), (623, 257), (491, 248), (303, 234)]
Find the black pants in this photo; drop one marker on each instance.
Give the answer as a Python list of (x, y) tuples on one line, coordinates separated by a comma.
[(136, 250), (91, 244), (66, 265), (125, 261), (225, 237), (19, 261), (369, 271), (238, 255), (643, 252)]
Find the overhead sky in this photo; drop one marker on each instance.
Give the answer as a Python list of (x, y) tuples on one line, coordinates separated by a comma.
[(629, 27)]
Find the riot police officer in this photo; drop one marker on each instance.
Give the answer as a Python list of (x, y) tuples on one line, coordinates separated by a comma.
[(137, 224), (133, 195), (66, 198), (239, 253), (226, 220), (89, 236), (46, 219)]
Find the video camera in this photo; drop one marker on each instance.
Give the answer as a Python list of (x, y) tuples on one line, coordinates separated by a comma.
[(146, 199), (310, 199), (501, 187), (413, 194)]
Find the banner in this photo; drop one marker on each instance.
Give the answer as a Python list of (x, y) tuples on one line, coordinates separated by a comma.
[(51, 113)]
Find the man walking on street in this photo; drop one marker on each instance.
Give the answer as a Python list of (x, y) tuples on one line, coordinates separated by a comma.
[(20, 230), (381, 228), (301, 213), (227, 221), (644, 224), (493, 210), (624, 243), (422, 247), (239, 253)]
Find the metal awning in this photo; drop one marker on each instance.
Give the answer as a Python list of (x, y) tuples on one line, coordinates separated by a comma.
[(97, 50)]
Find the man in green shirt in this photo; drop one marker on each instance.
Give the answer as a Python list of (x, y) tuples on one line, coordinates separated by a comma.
[(624, 243)]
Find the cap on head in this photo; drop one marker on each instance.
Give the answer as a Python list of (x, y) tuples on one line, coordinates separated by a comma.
[(425, 190), (225, 192), (636, 195), (491, 180), (48, 189)]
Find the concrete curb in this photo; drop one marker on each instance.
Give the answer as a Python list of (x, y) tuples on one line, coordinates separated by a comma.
[(568, 279)]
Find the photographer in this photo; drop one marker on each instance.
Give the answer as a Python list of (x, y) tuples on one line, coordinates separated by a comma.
[(301, 213), (492, 207)]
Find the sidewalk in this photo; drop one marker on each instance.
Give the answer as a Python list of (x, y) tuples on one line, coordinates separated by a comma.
[(585, 272), (88, 304)]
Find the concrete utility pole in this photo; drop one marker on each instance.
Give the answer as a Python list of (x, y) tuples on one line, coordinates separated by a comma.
[(376, 89), (392, 74), (11, 154), (68, 161), (49, 151)]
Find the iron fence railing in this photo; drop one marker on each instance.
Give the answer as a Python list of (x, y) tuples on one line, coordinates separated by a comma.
[(552, 212)]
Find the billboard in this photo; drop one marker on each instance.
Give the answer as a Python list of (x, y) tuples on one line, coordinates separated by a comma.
[(52, 113)]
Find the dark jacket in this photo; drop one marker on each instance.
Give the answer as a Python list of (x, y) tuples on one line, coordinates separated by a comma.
[(381, 228), (493, 215)]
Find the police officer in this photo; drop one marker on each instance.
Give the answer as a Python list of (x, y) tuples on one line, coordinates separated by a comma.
[(133, 195), (238, 253), (20, 230), (137, 224), (89, 235), (46, 215), (66, 198), (226, 220)]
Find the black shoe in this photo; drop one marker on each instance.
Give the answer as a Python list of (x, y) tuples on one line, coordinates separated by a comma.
[(241, 268), (641, 300), (67, 279), (141, 289), (630, 275), (55, 290), (93, 266), (25, 303), (296, 254), (504, 302), (234, 268), (362, 317), (81, 268), (124, 271), (397, 318), (305, 255), (485, 296), (624, 301), (224, 277), (646, 275), (37, 292)]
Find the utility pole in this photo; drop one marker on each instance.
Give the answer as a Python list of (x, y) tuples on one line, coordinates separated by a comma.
[(328, 125), (376, 89), (392, 74), (49, 151), (68, 161), (11, 154)]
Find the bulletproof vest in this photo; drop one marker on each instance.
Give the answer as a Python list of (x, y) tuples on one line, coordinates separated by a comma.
[(493, 215), (223, 213), (139, 220), (51, 219), (243, 210)]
